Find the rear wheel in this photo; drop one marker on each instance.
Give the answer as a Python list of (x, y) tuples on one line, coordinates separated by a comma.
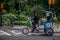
[(49, 32)]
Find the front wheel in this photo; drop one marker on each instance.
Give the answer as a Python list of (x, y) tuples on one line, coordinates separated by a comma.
[(49, 32), (25, 31)]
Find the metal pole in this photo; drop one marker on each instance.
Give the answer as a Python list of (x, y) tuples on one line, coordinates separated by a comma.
[(0, 15), (49, 6)]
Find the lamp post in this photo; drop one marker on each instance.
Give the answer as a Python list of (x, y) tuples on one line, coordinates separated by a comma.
[(0, 14)]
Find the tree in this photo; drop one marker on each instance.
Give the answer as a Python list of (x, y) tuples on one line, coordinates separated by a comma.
[(17, 6), (44, 4)]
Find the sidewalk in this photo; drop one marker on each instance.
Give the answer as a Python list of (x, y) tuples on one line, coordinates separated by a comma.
[(17, 27)]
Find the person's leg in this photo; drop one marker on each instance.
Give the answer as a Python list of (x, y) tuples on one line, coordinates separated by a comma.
[(33, 27), (11, 24), (37, 27), (56, 24)]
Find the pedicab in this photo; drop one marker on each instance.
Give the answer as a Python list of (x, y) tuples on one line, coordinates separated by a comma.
[(48, 26)]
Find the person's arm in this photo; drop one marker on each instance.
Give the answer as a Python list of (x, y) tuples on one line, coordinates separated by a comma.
[(32, 18)]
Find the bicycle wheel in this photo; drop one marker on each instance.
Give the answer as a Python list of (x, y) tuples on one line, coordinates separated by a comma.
[(25, 31), (49, 32)]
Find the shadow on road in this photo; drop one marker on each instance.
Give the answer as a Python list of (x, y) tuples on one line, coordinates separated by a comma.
[(37, 35)]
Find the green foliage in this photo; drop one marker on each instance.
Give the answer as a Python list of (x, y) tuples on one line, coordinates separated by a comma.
[(6, 18), (27, 8)]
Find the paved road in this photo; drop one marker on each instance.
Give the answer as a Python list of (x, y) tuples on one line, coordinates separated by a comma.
[(16, 34), (4, 37), (41, 27), (16, 30)]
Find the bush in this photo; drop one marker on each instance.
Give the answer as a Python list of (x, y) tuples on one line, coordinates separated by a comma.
[(20, 20), (22, 23), (6, 18)]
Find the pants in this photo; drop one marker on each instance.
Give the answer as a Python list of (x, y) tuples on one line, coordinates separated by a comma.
[(34, 26), (11, 24)]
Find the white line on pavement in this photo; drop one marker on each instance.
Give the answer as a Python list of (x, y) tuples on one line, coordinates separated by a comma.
[(15, 32), (4, 33)]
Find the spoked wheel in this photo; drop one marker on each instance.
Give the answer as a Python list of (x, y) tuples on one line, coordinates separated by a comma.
[(49, 32), (25, 31)]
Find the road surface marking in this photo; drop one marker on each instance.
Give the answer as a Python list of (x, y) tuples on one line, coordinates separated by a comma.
[(4, 33), (15, 32)]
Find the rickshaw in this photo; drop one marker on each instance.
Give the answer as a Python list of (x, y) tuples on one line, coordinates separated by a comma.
[(48, 26)]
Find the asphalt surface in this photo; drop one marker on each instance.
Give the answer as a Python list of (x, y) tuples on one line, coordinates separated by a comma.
[(29, 37), (16, 34)]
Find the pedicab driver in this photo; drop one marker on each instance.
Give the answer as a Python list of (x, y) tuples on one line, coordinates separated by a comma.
[(35, 22)]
